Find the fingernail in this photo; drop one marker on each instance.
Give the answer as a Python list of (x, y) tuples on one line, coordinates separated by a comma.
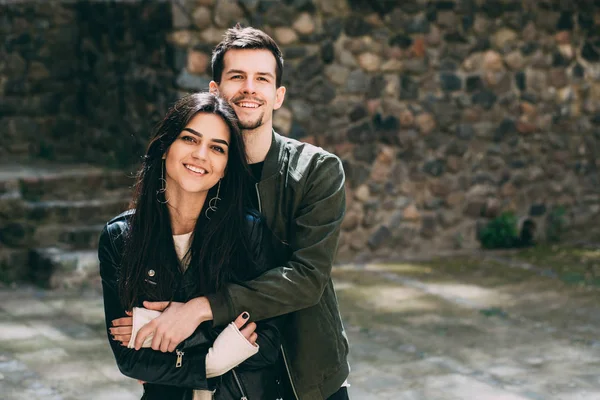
[(245, 315)]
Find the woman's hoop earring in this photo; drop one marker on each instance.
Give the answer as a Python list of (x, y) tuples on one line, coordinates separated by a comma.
[(212, 203), (163, 186)]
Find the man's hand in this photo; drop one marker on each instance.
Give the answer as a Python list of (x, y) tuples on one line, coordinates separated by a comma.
[(176, 323), (122, 328)]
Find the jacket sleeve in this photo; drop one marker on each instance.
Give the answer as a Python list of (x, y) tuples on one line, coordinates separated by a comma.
[(299, 283), (144, 364), (269, 340), (265, 255)]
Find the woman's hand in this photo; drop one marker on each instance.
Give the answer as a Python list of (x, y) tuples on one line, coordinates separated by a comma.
[(249, 330), (122, 328)]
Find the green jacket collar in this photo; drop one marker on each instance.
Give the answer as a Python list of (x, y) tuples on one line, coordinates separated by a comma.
[(275, 156)]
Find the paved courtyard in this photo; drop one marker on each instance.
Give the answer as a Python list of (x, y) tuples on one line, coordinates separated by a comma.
[(481, 328)]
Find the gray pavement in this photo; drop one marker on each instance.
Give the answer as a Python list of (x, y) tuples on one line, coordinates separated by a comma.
[(442, 331)]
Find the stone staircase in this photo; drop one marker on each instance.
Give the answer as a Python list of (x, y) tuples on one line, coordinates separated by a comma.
[(50, 220)]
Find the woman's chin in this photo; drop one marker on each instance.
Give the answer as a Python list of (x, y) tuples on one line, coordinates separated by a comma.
[(192, 190)]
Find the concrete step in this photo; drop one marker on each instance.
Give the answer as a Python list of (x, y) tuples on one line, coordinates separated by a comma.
[(61, 182), (55, 268), (77, 237), (90, 212), (50, 218), (75, 185)]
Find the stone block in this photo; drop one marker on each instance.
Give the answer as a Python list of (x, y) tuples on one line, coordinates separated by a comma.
[(202, 17), (227, 13), (358, 82), (198, 62), (282, 120), (379, 238), (370, 62), (191, 82), (56, 268), (285, 35), (304, 24)]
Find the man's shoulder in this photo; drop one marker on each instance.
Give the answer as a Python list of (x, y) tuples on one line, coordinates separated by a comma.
[(307, 154)]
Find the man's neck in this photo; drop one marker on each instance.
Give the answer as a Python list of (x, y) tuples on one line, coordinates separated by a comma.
[(258, 143)]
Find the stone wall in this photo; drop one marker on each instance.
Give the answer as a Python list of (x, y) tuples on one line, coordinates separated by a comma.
[(445, 113), (83, 81)]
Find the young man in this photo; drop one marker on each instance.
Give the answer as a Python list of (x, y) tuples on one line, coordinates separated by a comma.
[(300, 192)]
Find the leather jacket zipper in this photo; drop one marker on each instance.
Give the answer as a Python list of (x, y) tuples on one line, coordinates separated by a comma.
[(287, 368), (179, 358), (239, 384)]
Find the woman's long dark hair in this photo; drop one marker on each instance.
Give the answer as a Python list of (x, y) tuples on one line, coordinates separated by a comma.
[(218, 244)]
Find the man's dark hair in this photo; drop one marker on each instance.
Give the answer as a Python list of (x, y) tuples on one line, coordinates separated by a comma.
[(245, 38)]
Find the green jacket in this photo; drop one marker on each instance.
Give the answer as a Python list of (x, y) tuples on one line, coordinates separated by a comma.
[(302, 198)]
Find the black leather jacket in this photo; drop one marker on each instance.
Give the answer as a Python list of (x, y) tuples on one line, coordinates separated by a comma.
[(256, 378)]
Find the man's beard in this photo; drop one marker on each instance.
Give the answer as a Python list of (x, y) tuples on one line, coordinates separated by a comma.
[(248, 125), (251, 125)]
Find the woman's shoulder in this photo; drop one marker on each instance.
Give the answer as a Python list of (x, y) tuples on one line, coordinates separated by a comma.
[(110, 244), (118, 225)]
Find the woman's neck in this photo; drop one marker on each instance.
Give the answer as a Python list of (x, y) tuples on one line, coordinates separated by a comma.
[(184, 209)]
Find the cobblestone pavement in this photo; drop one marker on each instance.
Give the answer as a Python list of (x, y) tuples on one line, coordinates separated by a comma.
[(446, 331)]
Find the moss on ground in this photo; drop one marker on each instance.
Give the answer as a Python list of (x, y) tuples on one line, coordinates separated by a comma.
[(572, 265)]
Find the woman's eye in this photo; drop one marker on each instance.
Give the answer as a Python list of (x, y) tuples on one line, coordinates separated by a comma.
[(188, 139), (219, 149)]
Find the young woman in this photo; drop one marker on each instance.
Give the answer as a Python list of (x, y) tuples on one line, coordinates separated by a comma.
[(187, 234)]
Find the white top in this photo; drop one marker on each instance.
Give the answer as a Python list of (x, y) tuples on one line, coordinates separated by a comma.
[(182, 245)]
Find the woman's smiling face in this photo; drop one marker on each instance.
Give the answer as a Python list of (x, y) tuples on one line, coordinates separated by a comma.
[(197, 159)]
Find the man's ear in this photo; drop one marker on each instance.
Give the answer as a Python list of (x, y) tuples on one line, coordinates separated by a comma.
[(213, 87), (279, 97)]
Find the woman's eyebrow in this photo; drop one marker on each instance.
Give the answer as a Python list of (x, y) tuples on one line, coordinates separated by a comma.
[(201, 135)]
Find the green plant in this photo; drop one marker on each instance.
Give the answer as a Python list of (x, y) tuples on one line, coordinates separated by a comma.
[(500, 233), (555, 223)]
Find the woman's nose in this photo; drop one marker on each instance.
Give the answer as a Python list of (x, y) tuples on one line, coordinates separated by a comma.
[(201, 152)]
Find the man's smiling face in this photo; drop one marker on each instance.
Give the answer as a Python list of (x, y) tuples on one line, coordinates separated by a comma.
[(248, 83)]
